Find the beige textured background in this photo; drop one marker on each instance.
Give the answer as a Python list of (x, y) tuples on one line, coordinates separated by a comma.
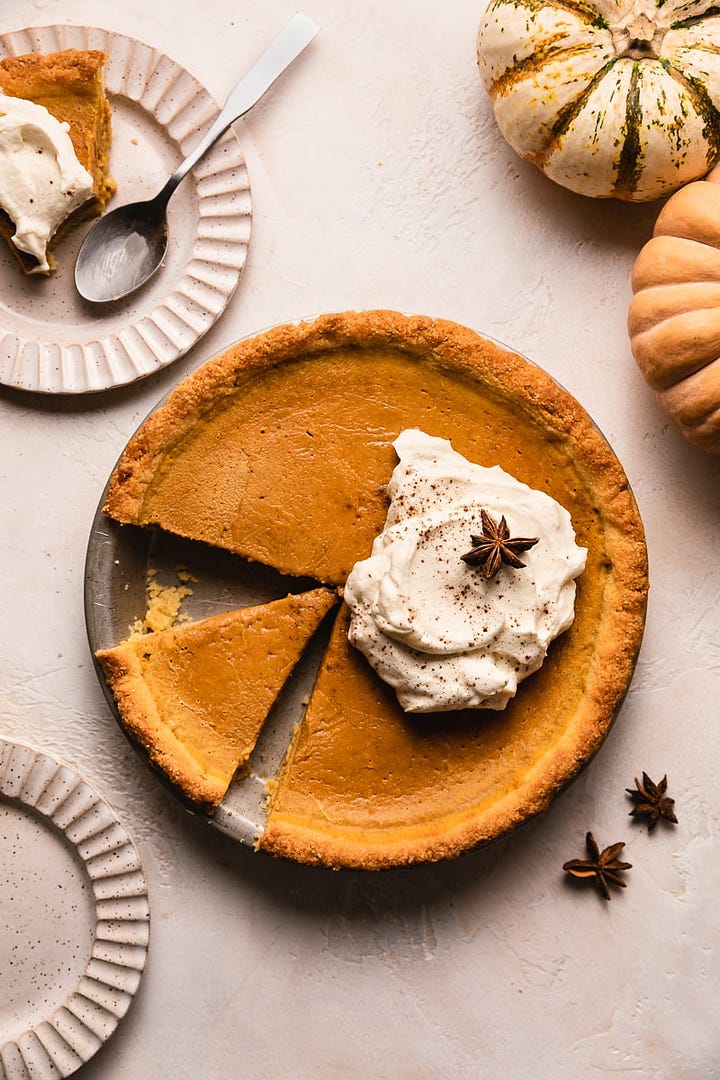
[(379, 179)]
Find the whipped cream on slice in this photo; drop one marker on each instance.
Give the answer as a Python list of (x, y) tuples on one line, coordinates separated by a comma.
[(41, 179), (430, 624)]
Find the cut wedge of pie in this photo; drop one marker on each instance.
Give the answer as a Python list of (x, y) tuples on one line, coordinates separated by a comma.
[(70, 85), (196, 695), (280, 451)]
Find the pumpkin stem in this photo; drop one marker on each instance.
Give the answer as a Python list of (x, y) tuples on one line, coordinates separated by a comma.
[(638, 36)]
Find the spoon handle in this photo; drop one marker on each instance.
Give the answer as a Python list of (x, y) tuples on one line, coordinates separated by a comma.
[(280, 53)]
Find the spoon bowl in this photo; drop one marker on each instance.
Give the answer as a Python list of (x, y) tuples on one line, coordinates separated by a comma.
[(123, 249)]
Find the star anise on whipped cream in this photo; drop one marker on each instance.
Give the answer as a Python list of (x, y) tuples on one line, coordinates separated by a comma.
[(495, 546), (602, 866), (651, 801)]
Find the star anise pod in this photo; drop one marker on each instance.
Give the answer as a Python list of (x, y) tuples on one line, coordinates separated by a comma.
[(651, 801), (602, 866), (495, 546)]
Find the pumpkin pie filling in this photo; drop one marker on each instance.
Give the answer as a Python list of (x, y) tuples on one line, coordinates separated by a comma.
[(291, 433), (366, 784)]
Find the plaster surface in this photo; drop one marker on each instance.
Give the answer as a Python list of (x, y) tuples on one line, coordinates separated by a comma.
[(379, 179)]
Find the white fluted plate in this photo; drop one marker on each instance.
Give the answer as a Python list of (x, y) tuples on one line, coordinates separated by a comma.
[(54, 342), (74, 917)]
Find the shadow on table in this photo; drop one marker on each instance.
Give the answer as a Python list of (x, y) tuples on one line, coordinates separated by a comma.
[(401, 895)]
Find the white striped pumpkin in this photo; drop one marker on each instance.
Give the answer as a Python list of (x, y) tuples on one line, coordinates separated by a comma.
[(608, 99)]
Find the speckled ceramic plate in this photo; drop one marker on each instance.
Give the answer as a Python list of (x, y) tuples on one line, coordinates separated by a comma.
[(74, 915), (53, 341)]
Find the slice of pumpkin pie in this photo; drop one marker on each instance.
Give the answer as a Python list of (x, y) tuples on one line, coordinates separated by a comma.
[(55, 131), (196, 695)]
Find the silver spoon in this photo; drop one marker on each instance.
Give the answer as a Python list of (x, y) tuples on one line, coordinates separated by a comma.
[(126, 246)]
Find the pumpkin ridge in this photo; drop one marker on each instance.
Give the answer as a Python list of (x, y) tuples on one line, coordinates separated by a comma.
[(569, 112), (678, 347), (674, 260), (692, 405), (657, 304), (704, 107), (630, 163), (530, 65), (693, 214), (693, 20), (701, 47)]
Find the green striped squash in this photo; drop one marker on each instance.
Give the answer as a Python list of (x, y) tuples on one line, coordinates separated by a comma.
[(608, 99)]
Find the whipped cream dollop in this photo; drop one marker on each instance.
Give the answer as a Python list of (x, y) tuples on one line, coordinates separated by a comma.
[(430, 624), (41, 179)]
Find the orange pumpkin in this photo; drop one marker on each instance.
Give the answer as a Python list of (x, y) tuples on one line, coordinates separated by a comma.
[(674, 316)]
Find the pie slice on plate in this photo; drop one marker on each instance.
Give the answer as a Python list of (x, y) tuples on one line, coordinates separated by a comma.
[(70, 85)]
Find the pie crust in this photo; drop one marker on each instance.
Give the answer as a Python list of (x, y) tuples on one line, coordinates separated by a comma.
[(196, 695), (280, 451), (70, 85)]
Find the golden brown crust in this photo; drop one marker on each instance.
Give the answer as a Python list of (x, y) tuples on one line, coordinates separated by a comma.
[(53, 74), (195, 696), (70, 85), (495, 407)]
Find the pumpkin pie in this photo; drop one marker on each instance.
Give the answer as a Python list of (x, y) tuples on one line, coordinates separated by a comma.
[(280, 451), (196, 695), (70, 85)]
